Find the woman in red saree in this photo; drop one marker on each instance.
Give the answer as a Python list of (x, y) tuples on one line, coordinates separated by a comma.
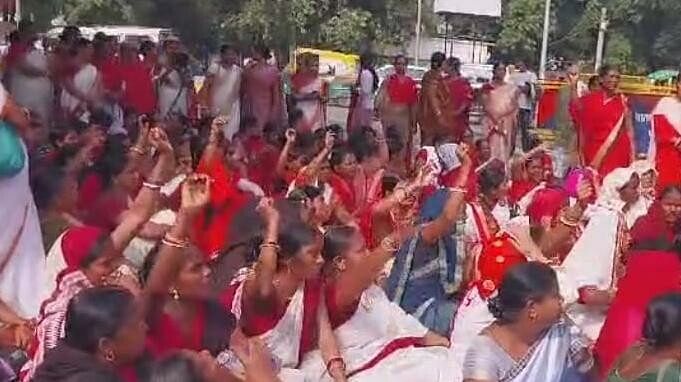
[(358, 170), (604, 117), (528, 176), (90, 255), (653, 268), (181, 310), (462, 96), (396, 103), (665, 147)]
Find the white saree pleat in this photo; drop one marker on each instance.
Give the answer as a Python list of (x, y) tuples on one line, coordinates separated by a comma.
[(376, 323), (591, 262), (470, 319)]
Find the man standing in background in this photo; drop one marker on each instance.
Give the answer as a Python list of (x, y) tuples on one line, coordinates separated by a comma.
[(526, 81)]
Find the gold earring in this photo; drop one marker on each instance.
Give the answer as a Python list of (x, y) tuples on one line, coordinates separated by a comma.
[(175, 294)]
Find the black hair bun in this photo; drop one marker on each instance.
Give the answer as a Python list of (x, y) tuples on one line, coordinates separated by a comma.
[(494, 306)]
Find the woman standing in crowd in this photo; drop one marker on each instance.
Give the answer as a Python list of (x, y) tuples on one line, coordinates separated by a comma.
[(361, 113), (309, 93), (528, 341), (397, 101), (22, 276), (665, 142), (223, 88), (656, 357), (83, 90), (500, 104), (462, 97), (435, 115), (261, 89), (174, 87)]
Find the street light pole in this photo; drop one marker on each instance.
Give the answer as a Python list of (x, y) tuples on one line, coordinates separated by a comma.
[(17, 11), (417, 48), (603, 27), (545, 40)]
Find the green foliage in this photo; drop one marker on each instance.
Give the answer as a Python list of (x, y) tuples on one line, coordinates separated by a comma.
[(521, 29), (347, 30)]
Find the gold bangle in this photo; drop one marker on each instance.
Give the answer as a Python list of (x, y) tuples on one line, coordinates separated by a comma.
[(564, 220), (459, 190), (174, 244), (390, 244), (152, 186), (272, 245), (138, 150)]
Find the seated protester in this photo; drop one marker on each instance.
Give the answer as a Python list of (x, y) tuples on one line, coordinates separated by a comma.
[(292, 164), (260, 155), (653, 267), (280, 300), (22, 253), (656, 356), (528, 341), (358, 170), (378, 340), (620, 191), (64, 142), (182, 311), (528, 174), (223, 163), (316, 212), (505, 250), (188, 366), (88, 255), (424, 276), (109, 186), (55, 189), (104, 333), (483, 153)]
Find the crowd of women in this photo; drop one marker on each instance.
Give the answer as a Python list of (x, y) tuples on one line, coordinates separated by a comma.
[(171, 247)]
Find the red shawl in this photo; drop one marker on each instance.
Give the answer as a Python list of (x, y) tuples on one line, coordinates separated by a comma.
[(211, 228)]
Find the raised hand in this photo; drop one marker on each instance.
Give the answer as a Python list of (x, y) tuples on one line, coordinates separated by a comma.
[(218, 123), (329, 140), (267, 211), (159, 140), (585, 191), (462, 151), (195, 193), (290, 136)]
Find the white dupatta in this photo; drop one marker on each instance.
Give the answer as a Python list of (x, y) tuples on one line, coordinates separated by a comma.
[(591, 262)]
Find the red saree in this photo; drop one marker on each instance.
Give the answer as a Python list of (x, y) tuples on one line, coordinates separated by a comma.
[(602, 119), (166, 335), (648, 275), (462, 95), (667, 134), (211, 226)]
